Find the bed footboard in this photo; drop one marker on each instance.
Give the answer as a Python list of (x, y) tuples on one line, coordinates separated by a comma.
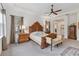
[(43, 43)]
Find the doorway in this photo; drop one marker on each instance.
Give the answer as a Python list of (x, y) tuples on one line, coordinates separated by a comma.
[(58, 26)]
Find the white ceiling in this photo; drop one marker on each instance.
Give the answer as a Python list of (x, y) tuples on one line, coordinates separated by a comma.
[(41, 8)]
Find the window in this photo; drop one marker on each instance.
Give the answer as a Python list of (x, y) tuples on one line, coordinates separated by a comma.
[(1, 25), (4, 23)]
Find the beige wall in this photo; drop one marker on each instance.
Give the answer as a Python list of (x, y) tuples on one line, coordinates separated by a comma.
[(77, 26), (29, 19)]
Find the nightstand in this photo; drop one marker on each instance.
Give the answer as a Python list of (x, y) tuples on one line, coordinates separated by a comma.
[(23, 37)]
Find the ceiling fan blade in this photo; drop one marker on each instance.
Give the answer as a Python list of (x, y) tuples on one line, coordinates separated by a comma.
[(54, 13), (50, 14), (58, 10)]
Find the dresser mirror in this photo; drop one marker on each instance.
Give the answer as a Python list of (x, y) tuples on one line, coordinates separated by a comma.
[(47, 26)]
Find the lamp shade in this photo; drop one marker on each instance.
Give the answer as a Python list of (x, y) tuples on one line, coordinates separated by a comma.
[(23, 27)]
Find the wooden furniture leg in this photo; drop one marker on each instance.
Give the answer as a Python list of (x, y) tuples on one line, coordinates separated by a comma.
[(43, 43), (51, 44)]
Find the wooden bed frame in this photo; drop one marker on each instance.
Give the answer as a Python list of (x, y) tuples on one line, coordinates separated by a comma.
[(37, 27)]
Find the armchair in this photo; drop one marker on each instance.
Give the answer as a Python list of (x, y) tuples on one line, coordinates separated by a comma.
[(57, 40)]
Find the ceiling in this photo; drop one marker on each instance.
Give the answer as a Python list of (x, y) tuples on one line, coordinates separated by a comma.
[(41, 8)]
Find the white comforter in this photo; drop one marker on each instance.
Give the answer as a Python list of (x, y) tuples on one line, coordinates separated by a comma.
[(36, 36)]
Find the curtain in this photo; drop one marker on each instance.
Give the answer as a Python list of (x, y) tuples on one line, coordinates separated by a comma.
[(12, 37), (4, 21), (4, 42)]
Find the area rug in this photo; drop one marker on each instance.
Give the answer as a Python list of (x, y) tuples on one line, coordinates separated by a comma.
[(70, 51)]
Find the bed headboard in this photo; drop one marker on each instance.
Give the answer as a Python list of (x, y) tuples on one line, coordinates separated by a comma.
[(35, 27)]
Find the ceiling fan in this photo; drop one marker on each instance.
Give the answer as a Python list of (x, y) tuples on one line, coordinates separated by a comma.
[(54, 12)]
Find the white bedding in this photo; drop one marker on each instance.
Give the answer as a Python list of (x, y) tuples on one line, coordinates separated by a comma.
[(36, 36)]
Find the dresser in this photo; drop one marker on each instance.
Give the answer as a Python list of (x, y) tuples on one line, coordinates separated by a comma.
[(23, 37), (72, 32)]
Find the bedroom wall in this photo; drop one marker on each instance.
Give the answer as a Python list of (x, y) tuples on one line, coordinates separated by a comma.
[(8, 22), (65, 26), (77, 26), (29, 19), (69, 18), (72, 18)]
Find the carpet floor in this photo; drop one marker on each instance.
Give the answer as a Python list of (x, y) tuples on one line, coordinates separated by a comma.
[(30, 48)]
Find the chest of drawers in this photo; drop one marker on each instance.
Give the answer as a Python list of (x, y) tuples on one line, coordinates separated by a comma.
[(23, 37)]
